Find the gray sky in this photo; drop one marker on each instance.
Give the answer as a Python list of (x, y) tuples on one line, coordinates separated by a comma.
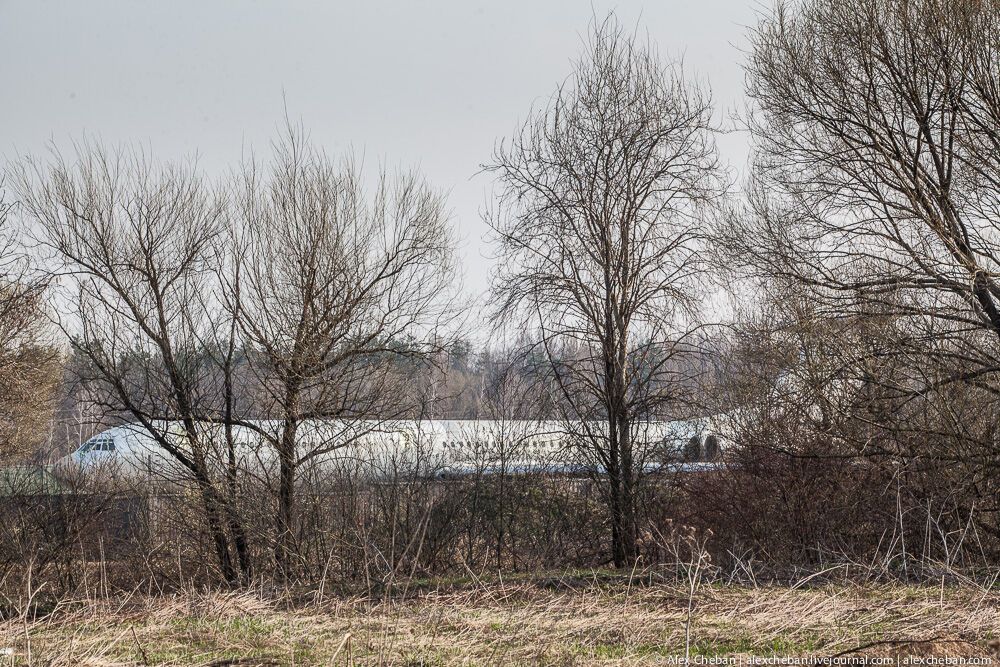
[(431, 84)]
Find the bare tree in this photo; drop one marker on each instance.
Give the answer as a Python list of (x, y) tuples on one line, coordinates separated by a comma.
[(333, 284), (134, 238), (873, 201), (876, 180), (29, 362), (597, 227)]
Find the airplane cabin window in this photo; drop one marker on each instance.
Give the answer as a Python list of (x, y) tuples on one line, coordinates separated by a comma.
[(711, 447), (692, 450)]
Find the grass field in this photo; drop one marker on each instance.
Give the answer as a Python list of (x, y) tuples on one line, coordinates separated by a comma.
[(550, 621)]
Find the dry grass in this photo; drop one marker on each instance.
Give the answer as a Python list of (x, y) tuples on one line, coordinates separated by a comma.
[(526, 623)]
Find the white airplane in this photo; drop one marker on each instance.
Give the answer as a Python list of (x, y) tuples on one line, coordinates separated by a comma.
[(387, 449)]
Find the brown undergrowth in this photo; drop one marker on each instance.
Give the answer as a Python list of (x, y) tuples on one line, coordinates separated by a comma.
[(550, 621)]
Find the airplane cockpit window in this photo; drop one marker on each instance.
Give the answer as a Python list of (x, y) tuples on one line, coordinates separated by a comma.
[(104, 444)]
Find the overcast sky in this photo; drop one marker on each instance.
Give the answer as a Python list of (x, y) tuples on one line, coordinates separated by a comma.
[(411, 83)]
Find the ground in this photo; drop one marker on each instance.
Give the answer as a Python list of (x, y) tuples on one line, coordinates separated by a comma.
[(560, 620)]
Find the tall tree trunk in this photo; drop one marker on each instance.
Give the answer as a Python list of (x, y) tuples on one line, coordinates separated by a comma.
[(284, 547), (236, 526), (615, 496), (620, 473), (212, 503), (628, 529), (621, 480)]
